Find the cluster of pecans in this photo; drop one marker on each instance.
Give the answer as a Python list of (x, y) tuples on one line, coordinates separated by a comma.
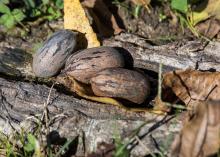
[(101, 67)]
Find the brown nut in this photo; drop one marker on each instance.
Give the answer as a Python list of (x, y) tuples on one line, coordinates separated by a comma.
[(86, 63), (121, 83), (51, 57)]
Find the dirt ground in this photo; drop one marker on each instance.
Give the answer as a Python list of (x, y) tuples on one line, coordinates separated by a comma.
[(147, 25)]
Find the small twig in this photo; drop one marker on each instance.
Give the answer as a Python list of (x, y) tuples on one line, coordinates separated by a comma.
[(160, 80), (133, 141), (157, 125), (132, 138), (45, 112), (159, 150), (32, 118), (55, 117), (144, 147)]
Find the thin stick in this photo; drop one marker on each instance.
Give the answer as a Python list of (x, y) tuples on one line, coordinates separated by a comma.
[(160, 80), (45, 113), (144, 147)]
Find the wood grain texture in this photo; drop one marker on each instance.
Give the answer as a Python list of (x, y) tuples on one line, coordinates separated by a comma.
[(189, 54)]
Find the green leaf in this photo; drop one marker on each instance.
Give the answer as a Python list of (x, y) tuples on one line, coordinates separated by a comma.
[(4, 8), (18, 15), (121, 151), (51, 11), (121, 148), (4, 1), (45, 2), (180, 5), (59, 4), (30, 146), (137, 10), (7, 20), (58, 14), (50, 17), (29, 4), (35, 13), (53, 14)]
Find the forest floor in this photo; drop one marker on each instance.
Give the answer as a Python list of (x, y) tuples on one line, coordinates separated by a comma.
[(158, 26)]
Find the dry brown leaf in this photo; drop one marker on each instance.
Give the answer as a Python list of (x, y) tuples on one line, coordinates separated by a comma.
[(206, 9), (189, 85), (75, 19), (200, 136), (210, 28), (200, 91)]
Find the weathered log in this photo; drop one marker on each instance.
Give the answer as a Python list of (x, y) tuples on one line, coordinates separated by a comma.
[(22, 102), (16, 65), (22, 99), (22, 95), (191, 54)]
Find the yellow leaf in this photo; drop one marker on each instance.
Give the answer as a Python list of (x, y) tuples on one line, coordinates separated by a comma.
[(85, 91), (197, 17), (206, 10), (75, 19)]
